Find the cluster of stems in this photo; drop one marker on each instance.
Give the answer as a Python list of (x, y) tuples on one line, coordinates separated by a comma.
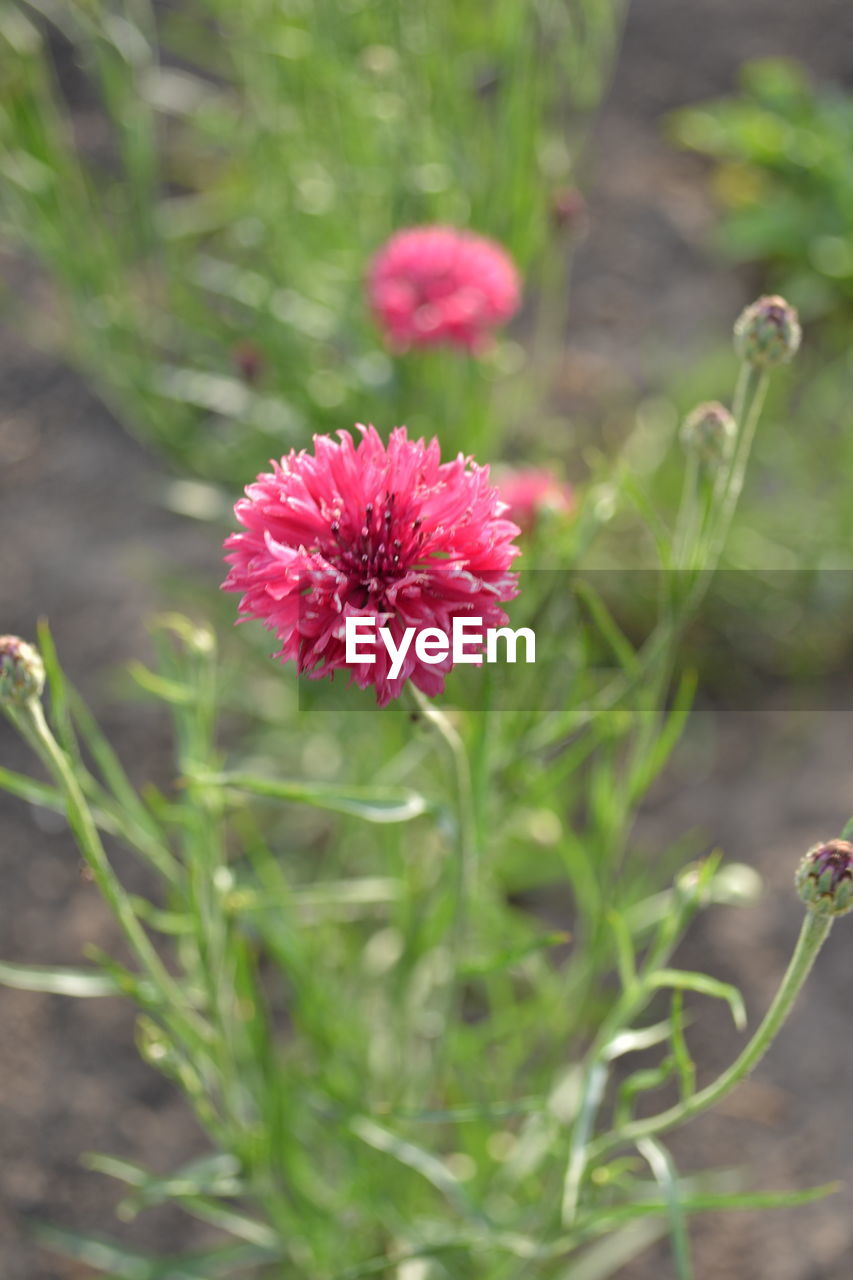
[(205, 1023)]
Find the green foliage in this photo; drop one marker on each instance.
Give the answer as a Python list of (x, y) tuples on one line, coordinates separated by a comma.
[(208, 256), (325, 958), (781, 148)]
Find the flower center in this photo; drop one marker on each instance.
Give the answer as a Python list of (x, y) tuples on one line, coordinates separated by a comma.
[(379, 550)]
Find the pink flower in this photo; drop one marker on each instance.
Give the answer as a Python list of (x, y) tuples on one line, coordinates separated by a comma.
[(531, 491), (364, 530), (436, 285)]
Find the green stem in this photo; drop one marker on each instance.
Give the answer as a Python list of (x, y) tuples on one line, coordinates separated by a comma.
[(749, 399), (33, 726), (685, 524), (465, 809), (812, 936), (465, 871)]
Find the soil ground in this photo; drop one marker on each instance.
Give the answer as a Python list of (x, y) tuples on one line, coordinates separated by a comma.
[(81, 539)]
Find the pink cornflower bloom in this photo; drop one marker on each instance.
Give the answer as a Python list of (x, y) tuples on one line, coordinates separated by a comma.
[(531, 491), (373, 531), (437, 285)]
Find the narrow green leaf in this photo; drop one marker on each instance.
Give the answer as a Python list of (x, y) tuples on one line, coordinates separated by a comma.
[(593, 1092), (110, 1258), (231, 1220), (517, 1245), (684, 1064), (640, 1082), (762, 1199), (359, 891), (645, 506), (624, 949), (125, 1264), (124, 980), (110, 766), (706, 1202), (609, 1256), (60, 713), (619, 644), (57, 981), (113, 823), (216, 1175), (170, 691), (373, 804), (661, 1164), (383, 1264), (49, 798), (414, 1157), (25, 788), (173, 923), (472, 1112), (19, 33), (651, 764), (512, 955), (537, 1137), (703, 985), (635, 1040), (195, 1186)]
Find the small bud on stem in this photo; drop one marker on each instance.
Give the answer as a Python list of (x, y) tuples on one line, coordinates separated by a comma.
[(21, 672), (768, 333), (825, 878), (569, 210), (710, 431)]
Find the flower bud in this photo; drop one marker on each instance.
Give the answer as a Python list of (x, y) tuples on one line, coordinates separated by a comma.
[(569, 210), (710, 430), (825, 878), (21, 671), (248, 360), (768, 333)]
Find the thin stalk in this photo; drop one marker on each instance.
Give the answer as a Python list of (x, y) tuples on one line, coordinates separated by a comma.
[(812, 936), (465, 810), (466, 865), (629, 1004), (749, 398), (34, 728), (685, 524)]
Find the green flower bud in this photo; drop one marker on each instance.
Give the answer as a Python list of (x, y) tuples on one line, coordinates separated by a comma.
[(710, 430), (825, 878), (21, 671), (768, 333)]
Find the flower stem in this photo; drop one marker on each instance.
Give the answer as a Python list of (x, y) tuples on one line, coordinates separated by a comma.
[(685, 524), (31, 723), (465, 873), (812, 936), (749, 399), (465, 810)]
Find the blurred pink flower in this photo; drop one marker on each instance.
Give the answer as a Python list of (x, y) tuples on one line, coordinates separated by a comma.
[(437, 285), (374, 531), (530, 491)]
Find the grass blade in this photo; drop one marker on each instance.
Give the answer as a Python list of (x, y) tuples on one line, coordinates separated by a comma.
[(58, 981), (703, 984), (661, 1164), (373, 804)]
